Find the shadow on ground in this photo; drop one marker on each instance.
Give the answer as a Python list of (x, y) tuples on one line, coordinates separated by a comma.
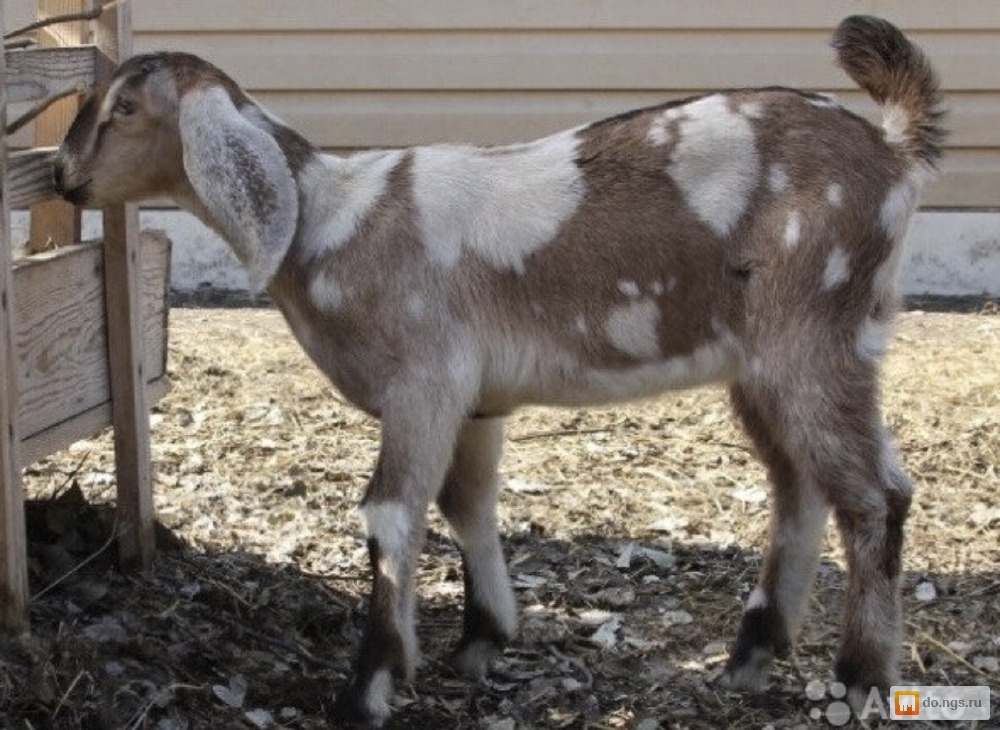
[(615, 634)]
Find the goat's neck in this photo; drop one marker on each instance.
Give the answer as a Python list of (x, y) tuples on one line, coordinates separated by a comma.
[(336, 194)]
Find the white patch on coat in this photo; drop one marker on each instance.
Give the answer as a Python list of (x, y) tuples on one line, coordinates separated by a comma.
[(800, 540), (777, 178), (415, 306), (793, 230), (824, 101), (502, 204), (895, 215), (837, 270), (715, 162), (873, 338), (106, 110), (339, 193), (898, 206), (629, 288), (389, 524), (835, 194), (377, 698), (708, 363), (326, 292), (656, 287), (632, 328), (752, 109), (895, 122), (491, 582), (757, 599), (659, 132), (890, 467), (580, 324)]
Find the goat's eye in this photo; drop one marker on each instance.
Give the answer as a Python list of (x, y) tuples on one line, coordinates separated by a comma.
[(124, 107)]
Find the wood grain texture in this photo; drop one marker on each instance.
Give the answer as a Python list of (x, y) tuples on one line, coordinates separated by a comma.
[(35, 73), (29, 176), (80, 426), (13, 541), (130, 409), (61, 338)]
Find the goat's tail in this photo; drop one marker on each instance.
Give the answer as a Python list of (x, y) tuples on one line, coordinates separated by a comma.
[(899, 77)]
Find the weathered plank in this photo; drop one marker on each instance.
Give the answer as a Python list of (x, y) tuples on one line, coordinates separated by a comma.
[(36, 73), (136, 542), (80, 426), (61, 339), (13, 541), (29, 176)]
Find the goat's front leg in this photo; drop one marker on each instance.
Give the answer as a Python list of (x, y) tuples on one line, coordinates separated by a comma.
[(417, 444)]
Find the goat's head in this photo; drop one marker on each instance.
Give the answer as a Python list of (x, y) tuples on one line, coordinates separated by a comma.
[(172, 124)]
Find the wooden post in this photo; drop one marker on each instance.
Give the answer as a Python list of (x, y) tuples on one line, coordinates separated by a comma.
[(56, 222), (130, 410), (13, 541)]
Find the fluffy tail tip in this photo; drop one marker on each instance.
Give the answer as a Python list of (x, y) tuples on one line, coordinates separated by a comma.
[(897, 74)]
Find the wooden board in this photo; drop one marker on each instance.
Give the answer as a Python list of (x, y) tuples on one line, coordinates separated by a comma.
[(13, 541), (29, 178), (81, 426), (35, 73), (61, 337), (130, 409)]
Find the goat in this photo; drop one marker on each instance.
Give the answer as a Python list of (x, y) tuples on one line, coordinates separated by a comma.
[(750, 237)]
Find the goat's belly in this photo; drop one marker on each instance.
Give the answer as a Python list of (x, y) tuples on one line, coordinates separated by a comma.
[(583, 384)]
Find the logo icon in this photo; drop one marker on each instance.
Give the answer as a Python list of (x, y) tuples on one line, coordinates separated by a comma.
[(907, 702), (837, 712)]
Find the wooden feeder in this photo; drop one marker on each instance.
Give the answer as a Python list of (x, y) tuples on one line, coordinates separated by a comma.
[(83, 326)]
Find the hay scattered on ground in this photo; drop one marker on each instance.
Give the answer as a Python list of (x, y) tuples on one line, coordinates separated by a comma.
[(633, 535)]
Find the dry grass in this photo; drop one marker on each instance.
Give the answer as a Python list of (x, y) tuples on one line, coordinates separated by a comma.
[(633, 534)]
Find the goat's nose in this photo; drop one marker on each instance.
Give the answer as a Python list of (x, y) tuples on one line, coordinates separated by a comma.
[(58, 177)]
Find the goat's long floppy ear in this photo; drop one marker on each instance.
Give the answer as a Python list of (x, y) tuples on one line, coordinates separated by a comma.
[(243, 179)]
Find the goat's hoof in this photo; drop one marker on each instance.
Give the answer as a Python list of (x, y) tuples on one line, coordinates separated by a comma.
[(859, 685), (473, 659), (365, 705), (750, 673)]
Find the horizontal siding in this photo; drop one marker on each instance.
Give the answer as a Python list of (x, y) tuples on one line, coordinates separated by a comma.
[(609, 60), (355, 74), (309, 15), (382, 119)]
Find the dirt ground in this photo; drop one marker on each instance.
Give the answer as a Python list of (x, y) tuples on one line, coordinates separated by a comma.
[(633, 534)]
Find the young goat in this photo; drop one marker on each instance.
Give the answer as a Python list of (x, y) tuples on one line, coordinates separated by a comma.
[(746, 236)]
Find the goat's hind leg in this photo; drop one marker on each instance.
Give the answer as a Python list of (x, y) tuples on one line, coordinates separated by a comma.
[(468, 501), (775, 608), (830, 427), (871, 519)]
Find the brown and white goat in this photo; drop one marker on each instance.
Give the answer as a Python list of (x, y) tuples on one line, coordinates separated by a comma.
[(749, 236)]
